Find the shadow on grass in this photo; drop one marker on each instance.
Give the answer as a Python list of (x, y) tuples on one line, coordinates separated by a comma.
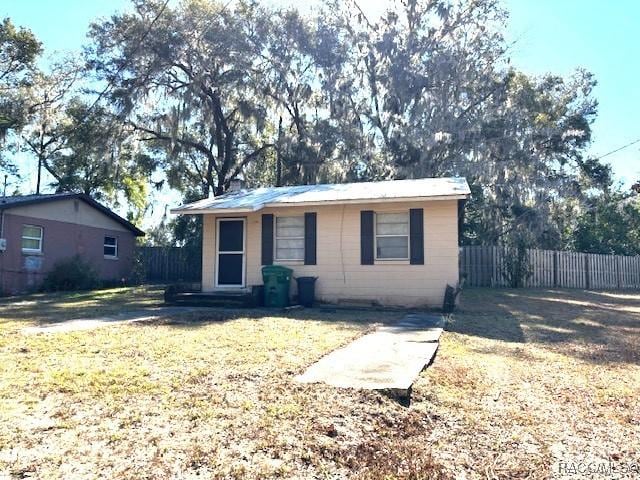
[(126, 304), (64, 306), (195, 317), (594, 326), (502, 327)]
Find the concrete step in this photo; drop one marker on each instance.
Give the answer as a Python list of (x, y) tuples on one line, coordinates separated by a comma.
[(214, 299)]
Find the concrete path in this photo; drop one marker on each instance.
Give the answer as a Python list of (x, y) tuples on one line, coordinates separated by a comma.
[(91, 323), (390, 358)]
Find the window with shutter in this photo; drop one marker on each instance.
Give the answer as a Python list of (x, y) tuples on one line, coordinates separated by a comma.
[(392, 236)]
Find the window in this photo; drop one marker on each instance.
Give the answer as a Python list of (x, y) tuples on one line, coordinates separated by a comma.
[(289, 238), (392, 236), (111, 247), (31, 239)]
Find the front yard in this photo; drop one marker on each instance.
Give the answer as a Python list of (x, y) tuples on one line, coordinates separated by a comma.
[(523, 379)]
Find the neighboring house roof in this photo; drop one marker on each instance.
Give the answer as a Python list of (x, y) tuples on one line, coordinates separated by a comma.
[(251, 200), (7, 203)]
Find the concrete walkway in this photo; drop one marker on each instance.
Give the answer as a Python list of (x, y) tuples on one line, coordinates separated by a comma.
[(391, 358), (91, 323)]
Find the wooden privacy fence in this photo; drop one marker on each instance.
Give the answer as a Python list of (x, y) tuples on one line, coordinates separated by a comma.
[(171, 264), (485, 266)]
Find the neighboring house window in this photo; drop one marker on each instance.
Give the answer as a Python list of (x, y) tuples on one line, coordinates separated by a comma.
[(392, 236), (111, 247), (289, 233), (31, 239)]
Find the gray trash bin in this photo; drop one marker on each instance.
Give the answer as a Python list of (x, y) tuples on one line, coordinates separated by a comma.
[(306, 290)]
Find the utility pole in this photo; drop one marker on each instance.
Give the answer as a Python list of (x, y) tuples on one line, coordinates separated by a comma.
[(39, 173), (278, 158), (43, 128)]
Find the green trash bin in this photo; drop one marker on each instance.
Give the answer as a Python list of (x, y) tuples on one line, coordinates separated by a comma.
[(276, 280)]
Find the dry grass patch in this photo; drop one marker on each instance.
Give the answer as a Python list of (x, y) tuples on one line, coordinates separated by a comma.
[(522, 379), (526, 379), (179, 398)]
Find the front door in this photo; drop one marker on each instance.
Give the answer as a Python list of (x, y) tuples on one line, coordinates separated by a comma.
[(230, 246)]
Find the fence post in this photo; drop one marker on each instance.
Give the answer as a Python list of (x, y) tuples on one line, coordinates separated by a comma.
[(168, 256), (555, 269), (587, 273), (618, 279)]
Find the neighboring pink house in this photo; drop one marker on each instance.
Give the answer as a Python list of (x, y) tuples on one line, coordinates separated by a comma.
[(36, 231)]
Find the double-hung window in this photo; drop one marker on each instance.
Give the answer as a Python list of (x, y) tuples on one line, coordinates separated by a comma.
[(392, 236), (110, 247), (31, 239), (289, 236)]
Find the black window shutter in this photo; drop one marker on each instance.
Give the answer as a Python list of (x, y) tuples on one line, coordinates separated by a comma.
[(366, 237), (416, 236), (267, 239), (310, 238)]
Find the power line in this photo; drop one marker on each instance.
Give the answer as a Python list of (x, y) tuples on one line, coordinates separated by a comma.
[(618, 149)]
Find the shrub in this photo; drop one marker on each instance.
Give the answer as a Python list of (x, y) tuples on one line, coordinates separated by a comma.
[(516, 268), (138, 270), (72, 273)]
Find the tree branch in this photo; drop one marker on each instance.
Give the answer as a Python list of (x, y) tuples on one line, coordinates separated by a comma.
[(168, 138), (249, 158)]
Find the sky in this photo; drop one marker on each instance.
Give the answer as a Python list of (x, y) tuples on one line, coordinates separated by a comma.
[(601, 36), (555, 36)]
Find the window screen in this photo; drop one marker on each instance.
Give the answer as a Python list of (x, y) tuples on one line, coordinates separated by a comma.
[(392, 236), (110, 247), (289, 238), (31, 238)]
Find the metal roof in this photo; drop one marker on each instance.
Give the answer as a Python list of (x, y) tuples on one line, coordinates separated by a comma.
[(250, 200), (7, 203)]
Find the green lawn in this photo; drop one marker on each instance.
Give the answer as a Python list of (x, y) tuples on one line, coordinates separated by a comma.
[(522, 379)]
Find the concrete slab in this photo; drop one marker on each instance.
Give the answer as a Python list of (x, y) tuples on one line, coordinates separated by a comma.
[(413, 335), (422, 320), (391, 358)]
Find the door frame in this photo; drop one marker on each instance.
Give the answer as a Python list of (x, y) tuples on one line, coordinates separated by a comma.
[(244, 252)]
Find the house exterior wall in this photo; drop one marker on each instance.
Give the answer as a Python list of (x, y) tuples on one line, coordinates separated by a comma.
[(70, 227), (341, 277)]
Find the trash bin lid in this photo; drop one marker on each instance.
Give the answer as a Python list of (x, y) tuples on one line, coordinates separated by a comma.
[(306, 279), (269, 270)]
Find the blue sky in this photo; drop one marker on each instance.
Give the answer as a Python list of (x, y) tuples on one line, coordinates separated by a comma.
[(551, 36), (601, 36)]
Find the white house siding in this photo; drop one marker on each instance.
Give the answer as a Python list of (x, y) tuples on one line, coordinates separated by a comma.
[(340, 275)]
